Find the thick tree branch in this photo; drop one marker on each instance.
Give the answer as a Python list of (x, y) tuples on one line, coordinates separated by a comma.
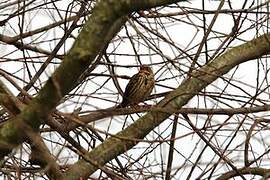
[(106, 20), (105, 113), (39, 151), (264, 173), (198, 80)]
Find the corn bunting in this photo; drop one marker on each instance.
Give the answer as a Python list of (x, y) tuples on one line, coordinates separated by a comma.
[(139, 87)]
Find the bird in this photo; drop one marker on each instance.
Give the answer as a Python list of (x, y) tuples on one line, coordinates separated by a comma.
[(139, 87)]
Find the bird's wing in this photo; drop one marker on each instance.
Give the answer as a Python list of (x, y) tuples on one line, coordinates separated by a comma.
[(134, 81)]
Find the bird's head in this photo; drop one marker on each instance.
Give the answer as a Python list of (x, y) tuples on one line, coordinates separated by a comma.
[(145, 69)]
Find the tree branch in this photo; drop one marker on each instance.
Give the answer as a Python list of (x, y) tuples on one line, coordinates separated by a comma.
[(106, 20), (39, 151), (199, 79)]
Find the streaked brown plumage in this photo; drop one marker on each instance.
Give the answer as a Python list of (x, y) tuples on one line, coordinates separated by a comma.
[(139, 87)]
